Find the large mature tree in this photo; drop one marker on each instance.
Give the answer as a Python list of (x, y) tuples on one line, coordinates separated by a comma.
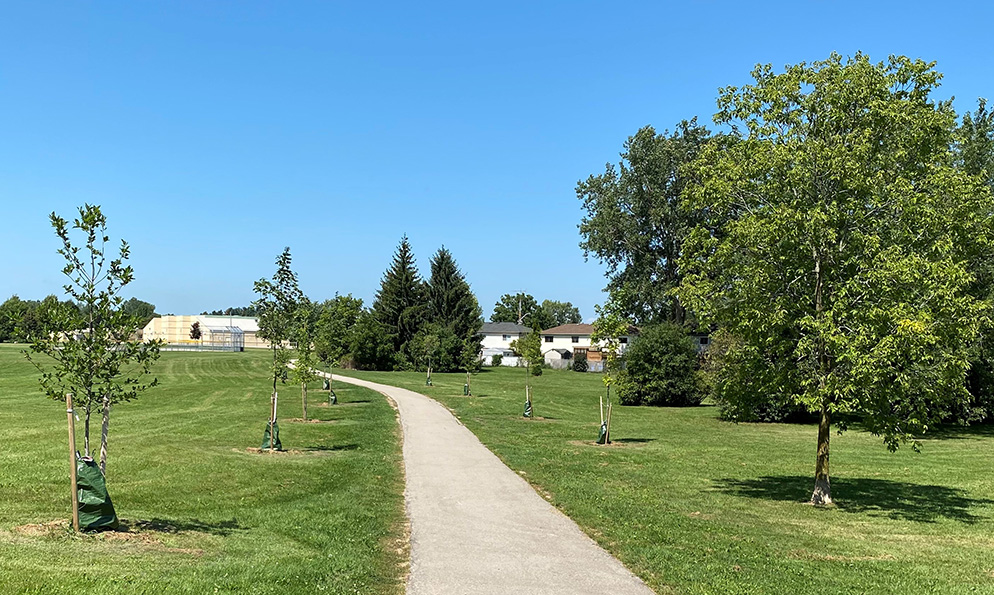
[(11, 313), (521, 308), (975, 143), (633, 221), (143, 310), (336, 327), (399, 305), (561, 312), (278, 303), (451, 304), (91, 351), (835, 243)]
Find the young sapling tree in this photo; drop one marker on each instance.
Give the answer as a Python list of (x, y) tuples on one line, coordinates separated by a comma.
[(90, 347)]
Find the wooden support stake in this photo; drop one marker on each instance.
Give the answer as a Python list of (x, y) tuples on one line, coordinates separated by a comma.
[(272, 420), (607, 436), (72, 462), (602, 410)]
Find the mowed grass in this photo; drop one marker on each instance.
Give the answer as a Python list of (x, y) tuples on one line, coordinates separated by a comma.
[(695, 505), (207, 514)]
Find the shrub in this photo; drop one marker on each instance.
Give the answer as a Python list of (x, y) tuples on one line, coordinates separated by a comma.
[(743, 386), (660, 369), (580, 362), (496, 360)]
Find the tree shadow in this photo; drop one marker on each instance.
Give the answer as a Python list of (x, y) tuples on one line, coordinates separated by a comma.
[(633, 440), (222, 528), (952, 432), (897, 500), (331, 448)]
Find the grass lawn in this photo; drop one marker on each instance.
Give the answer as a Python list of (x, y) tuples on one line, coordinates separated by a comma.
[(206, 514), (695, 505)]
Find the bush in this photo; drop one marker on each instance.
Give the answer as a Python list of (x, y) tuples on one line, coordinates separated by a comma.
[(580, 362), (496, 360), (744, 386), (660, 369)]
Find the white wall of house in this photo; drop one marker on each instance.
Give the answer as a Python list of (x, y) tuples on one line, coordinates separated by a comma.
[(499, 340), (572, 342)]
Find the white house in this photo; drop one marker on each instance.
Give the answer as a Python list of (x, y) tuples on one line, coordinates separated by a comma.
[(576, 338), (497, 337)]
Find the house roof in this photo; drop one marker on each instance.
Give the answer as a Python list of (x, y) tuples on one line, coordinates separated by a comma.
[(503, 328), (580, 329), (570, 329)]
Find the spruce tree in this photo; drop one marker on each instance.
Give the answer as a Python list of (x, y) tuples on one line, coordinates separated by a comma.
[(451, 304), (399, 305)]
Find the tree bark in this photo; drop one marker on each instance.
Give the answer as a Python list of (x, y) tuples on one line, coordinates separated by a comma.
[(303, 396), (104, 427), (822, 495)]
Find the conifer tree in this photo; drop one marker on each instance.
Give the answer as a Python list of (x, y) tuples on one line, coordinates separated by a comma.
[(450, 300), (399, 306)]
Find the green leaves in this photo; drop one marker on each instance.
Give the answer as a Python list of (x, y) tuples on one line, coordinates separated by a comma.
[(836, 240)]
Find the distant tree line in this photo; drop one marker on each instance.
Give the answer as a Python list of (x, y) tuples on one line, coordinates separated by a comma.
[(242, 311), (413, 323), (21, 321), (523, 308)]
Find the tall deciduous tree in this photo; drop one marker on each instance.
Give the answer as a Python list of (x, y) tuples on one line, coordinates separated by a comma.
[(277, 306), (975, 143), (521, 308), (633, 221), (835, 243), (92, 351), (336, 327), (561, 313), (399, 304)]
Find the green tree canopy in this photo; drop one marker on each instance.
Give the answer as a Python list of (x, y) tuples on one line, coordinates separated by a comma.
[(560, 313), (522, 308), (835, 242), (336, 327), (452, 305), (633, 221)]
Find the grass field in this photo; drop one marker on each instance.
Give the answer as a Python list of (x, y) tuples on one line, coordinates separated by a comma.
[(695, 505), (205, 514)]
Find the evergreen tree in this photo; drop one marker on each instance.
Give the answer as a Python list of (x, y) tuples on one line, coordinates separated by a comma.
[(399, 305), (450, 300)]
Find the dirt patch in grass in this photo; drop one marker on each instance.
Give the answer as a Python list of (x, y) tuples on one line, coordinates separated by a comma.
[(146, 534), (613, 444), (300, 420), (49, 529), (288, 452)]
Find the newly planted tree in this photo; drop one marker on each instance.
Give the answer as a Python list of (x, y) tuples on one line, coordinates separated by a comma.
[(91, 351), (835, 245), (279, 300), (529, 347), (304, 332)]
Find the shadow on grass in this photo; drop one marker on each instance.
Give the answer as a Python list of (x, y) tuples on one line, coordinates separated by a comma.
[(960, 432), (877, 497), (330, 448), (222, 528), (633, 440)]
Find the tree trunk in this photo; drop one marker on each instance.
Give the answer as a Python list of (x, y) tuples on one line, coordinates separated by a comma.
[(303, 396), (469, 387), (104, 427), (86, 431), (822, 495)]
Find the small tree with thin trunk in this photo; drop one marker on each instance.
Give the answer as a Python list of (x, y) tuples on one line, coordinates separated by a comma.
[(304, 370), (195, 332), (277, 306), (91, 350)]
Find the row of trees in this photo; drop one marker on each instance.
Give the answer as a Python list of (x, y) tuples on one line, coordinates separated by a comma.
[(23, 321), (836, 237)]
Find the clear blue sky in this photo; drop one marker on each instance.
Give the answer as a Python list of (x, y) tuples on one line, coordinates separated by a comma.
[(215, 133)]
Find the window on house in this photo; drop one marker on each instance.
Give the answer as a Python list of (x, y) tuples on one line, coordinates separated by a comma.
[(548, 338), (704, 340), (507, 337), (623, 340), (575, 339)]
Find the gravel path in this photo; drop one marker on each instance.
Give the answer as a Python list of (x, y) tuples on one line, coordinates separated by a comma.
[(478, 528)]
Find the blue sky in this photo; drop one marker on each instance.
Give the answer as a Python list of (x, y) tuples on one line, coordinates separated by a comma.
[(215, 133)]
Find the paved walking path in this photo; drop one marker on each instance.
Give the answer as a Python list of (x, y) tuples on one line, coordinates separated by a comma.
[(478, 528)]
